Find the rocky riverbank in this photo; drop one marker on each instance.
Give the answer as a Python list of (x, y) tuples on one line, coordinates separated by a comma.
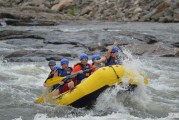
[(51, 12), (41, 43), (39, 30)]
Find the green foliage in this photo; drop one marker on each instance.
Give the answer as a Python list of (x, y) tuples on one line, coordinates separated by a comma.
[(72, 10)]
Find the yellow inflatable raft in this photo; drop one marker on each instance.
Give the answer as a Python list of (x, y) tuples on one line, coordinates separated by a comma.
[(89, 89)]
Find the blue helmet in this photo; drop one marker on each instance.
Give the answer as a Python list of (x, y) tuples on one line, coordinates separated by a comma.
[(114, 49), (56, 67), (83, 56), (96, 57), (52, 62), (64, 61)]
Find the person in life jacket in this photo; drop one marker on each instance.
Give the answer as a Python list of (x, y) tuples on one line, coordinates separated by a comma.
[(110, 58), (81, 67), (97, 65), (64, 71), (51, 64), (55, 70)]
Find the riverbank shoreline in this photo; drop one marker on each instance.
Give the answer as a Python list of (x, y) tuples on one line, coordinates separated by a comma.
[(51, 12), (41, 43)]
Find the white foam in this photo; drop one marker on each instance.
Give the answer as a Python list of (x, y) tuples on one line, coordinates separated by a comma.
[(113, 116), (20, 118), (108, 100), (24, 74), (30, 76)]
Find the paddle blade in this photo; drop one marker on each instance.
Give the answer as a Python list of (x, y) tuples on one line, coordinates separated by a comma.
[(52, 81), (48, 98), (146, 81), (40, 100), (133, 80)]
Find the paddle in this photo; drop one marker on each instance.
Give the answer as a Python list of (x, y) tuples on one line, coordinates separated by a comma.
[(49, 95), (122, 56), (56, 81)]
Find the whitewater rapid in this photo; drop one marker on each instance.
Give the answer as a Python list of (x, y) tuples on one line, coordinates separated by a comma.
[(22, 83)]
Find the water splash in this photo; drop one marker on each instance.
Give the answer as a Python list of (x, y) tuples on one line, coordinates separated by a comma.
[(20, 86), (115, 100)]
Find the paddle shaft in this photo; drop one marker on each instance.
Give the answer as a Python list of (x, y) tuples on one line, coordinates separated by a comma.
[(121, 57), (67, 77), (76, 73)]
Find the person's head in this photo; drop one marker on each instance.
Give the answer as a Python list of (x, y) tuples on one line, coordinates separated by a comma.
[(114, 51), (51, 64), (84, 58), (96, 57), (56, 67), (64, 63)]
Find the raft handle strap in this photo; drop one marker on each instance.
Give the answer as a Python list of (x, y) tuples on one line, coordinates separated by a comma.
[(115, 72)]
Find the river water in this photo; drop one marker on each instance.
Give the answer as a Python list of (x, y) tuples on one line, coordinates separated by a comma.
[(21, 83)]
